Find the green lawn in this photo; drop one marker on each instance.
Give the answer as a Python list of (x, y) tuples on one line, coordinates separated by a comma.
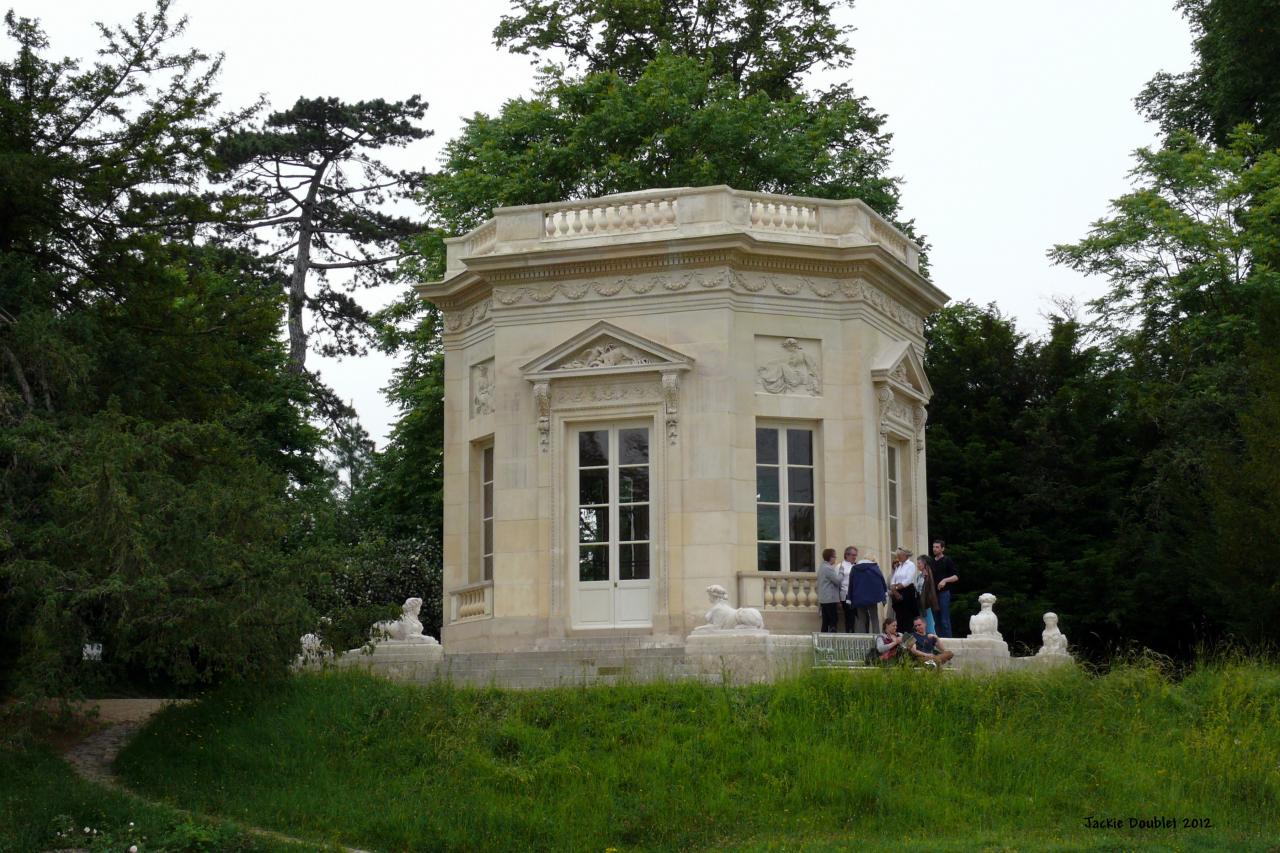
[(887, 760), (44, 806)]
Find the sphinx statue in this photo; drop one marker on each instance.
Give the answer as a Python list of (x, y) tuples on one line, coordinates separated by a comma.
[(1054, 642), (984, 623), (407, 629), (723, 617)]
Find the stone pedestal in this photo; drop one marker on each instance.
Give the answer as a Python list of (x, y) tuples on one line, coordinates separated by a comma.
[(741, 657), (979, 654), (747, 657), (398, 660)]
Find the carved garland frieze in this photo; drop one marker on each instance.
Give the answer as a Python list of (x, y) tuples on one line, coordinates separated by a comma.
[(464, 318), (851, 289), (597, 394)]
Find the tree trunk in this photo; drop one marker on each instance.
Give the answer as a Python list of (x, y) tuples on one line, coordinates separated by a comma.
[(298, 281), (20, 376)]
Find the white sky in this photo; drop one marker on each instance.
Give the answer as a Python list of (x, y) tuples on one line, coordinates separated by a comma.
[(1013, 121)]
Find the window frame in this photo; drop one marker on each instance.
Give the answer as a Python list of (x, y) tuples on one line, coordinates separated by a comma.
[(893, 491), (784, 503), (483, 559)]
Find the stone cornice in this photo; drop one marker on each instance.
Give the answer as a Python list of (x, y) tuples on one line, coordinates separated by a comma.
[(743, 266)]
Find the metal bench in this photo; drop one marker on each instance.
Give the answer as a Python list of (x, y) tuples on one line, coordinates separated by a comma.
[(841, 651)]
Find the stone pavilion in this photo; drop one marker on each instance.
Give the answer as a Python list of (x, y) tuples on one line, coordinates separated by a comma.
[(653, 392)]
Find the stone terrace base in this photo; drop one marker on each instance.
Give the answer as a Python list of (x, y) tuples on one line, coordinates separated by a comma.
[(731, 657)]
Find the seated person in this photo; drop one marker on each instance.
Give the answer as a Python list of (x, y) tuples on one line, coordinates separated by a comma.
[(927, 648), (889, 643)]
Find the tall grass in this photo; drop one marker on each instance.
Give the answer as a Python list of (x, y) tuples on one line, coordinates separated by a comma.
[(887, 758), (44, 806)]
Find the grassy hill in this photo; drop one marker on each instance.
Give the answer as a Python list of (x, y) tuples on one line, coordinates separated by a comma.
[(896, 760)]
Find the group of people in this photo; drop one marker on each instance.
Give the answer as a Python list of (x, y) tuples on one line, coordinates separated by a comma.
[(918, 592)]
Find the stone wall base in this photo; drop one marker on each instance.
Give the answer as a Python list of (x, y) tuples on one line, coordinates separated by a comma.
[(734, 657)]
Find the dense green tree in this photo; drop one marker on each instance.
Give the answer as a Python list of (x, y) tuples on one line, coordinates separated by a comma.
[(1235, 79), (310, 176), (154, 448), (1025, 461), (760, 45), (1186, 256), (1245, 494)]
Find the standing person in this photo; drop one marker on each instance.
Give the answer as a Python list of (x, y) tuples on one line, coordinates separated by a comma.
[(846, 575), (867, 591), (946, 577), (928, 592), (902, 588), (829, 591)]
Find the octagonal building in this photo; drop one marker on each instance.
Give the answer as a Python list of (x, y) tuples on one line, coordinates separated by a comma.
[(649, 393)]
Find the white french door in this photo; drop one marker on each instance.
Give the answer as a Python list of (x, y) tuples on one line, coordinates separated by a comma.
[(612, 549)]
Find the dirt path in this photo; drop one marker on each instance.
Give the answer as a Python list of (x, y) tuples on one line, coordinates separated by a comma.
[(92, 757)]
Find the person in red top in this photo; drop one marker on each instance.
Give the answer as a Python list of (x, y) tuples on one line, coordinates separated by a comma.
[(889, 643)]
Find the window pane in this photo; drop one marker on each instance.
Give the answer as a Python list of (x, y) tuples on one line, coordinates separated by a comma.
[(633, 562), (633, 523), (593, 524), (633, 446), (593, 486), (488, 536), (487, 500), (801, 525), (633, 484), (593, 448), (800, 447), (593, 563), (767, 527), (768, 557), (802, 557), (766, 447), (766, 483), (892, 453), (893, 498), (800, 485), (488, 464), (488, 568)]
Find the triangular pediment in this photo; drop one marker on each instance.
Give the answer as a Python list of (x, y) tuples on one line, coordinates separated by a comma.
[(899, 366), (605, 348)]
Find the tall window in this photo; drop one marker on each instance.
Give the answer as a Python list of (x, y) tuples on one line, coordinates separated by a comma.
[(893, 474), (613, 504), (486, 513), (785, 500)]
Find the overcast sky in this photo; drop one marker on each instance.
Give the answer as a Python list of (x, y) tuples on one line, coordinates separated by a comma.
[(1013, 121)]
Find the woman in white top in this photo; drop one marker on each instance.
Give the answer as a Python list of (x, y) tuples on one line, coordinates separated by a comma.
[(902, 589)]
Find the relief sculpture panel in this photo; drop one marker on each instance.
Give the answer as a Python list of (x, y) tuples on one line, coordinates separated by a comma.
[(788, 366)]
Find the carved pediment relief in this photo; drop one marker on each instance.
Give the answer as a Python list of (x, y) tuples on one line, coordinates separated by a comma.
[(898, 367), (598, 361), (902, 390), (605, 348)]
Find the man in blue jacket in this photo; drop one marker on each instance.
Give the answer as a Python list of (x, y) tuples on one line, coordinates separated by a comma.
[(867, 591)]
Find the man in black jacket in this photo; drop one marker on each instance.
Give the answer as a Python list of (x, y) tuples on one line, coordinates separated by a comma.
[(946, 577)]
